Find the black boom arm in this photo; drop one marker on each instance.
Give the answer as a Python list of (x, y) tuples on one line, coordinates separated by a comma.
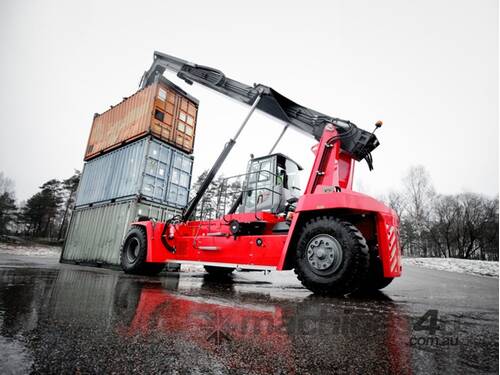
[(356, 142)]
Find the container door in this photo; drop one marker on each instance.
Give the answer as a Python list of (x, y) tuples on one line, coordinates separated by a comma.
[(185, 124), (157, 171), (162, 123), (157, 212), (180, 180)]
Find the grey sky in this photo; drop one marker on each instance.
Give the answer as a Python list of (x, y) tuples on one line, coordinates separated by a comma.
[(428, 69)]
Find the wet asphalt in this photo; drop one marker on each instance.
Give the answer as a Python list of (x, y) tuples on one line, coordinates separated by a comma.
[(58, 318)]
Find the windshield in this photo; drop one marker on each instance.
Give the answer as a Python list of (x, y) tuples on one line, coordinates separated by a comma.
[(292, 171)]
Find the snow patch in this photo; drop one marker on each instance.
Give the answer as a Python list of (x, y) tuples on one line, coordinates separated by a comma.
[(192, 268), (471, 266), (30, 250)]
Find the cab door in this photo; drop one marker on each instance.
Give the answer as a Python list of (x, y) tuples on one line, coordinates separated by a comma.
[(260, 191)]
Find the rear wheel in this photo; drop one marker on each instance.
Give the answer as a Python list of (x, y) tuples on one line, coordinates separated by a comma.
[(219, 271), (134, 251), (331, 256)]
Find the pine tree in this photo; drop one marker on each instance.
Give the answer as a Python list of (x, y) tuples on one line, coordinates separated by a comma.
[(42, 208), (69, 187), (7, 211)]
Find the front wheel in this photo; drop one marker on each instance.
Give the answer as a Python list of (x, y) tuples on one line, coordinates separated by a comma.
[(133, 254), (331, 256)]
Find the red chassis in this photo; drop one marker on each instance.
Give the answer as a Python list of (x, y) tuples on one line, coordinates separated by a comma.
[(328, 194)]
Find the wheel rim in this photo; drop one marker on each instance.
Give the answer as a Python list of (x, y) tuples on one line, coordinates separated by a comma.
[(133, 250), (324, 253)]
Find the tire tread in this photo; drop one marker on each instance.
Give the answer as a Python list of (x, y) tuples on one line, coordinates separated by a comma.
[(142, 267), (358, 267)]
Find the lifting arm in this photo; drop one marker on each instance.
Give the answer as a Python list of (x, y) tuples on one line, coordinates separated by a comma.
[(188, 211), (356, 142)]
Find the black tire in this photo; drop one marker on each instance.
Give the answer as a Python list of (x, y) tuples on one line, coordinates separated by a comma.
[(219, 271), (133, 254), (375, 279), (343, 245)]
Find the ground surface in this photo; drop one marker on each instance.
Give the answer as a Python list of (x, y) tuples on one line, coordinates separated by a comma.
[(64, 319)]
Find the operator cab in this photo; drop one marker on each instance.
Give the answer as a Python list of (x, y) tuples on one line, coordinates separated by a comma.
[(270, 182)]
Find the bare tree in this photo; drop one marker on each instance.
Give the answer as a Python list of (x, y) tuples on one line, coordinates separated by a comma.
[(219, 197), (489, 238), (446, 212), (396, 201), (463, 226), (6, 184), (70, 186), (419, 194)]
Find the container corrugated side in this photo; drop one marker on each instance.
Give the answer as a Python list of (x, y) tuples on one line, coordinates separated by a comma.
[(95, 299), (128, 120), (161, 109), (148, 168), (95, 234), (76, 288)]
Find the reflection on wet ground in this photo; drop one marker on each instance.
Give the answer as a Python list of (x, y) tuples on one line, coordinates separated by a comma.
[(59, 318)]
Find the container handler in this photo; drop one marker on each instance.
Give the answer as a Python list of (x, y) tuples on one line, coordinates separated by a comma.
[(338, 241)]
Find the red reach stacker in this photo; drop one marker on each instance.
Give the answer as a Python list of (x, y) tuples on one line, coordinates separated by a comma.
[(338, 241)]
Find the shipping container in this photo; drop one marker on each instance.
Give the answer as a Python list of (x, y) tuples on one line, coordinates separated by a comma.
[(161, 109), (96, 300), (148, 168), (78, 292), (96, 233)]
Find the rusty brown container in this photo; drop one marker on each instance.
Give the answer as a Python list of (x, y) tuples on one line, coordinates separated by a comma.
[(161, 109)]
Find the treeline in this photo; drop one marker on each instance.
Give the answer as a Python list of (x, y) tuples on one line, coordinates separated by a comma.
[(442, 225), (219, 197), (45, 215), (432, 225)]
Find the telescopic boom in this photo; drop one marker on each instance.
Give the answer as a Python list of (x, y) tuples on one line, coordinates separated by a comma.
[(356, 142)]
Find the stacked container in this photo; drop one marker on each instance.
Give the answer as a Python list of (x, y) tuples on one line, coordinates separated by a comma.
[(138, 165)]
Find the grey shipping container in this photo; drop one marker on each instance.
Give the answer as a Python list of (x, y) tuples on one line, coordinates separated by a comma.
[(147, 168), (96, 300), (86, 295), (96, 233)]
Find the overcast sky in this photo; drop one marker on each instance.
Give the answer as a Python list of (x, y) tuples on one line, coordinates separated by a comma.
[(428, 69)]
